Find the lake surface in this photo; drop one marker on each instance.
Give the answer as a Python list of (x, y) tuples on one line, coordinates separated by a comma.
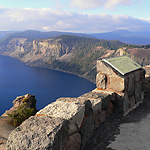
[(17, 79)]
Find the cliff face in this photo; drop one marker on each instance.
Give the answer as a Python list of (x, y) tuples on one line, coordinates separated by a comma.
[(50, 48), (36, 52)]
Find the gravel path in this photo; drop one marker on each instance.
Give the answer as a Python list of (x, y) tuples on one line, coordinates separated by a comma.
[(131, 132)]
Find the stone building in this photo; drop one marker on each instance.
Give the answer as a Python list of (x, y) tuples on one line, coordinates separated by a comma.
[(124, 77)]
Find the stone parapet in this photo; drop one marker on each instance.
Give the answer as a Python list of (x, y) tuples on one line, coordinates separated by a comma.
[(65, 124), (39, 132), (71, 111)]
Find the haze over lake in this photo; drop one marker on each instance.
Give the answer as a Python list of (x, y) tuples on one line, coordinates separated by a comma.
[(17, 79)]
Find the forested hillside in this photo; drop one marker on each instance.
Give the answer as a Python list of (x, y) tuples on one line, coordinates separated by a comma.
[(86, 52)]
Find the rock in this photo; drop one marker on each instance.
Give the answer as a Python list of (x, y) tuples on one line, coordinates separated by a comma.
[(137, 76), (131, 85), (80, 100), (73, 142), (28, 98), (131, 102), (100, 118), (102, 67), (143, 79), (43, 133), (95, 95), (147, 82), (100, 100), (147, 69), (122, 103), (96, 106), (110, 109), (87, 127), (117, 83), (71, 111), (138, 91), (101, 81)]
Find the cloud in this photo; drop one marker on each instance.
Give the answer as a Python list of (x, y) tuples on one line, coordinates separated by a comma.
[(47, 19), (91, 4), (145, 19)]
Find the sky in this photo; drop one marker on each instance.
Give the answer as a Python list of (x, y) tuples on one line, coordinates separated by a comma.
[(80, 16)]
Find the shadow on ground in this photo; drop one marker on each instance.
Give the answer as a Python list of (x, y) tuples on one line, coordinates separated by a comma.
[(107, 131)]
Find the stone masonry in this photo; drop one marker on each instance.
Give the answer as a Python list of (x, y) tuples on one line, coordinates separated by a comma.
[(129, 88), (65, 124)]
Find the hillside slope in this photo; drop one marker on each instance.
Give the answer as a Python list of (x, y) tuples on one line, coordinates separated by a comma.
[(33, 34), (68, 53)]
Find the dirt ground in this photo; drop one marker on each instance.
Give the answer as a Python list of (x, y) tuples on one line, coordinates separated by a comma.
[(5, 128)]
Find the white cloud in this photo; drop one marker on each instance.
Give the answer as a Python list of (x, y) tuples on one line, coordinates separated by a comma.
[(91, 4), (147, 19), (113, 3), (47, 19)]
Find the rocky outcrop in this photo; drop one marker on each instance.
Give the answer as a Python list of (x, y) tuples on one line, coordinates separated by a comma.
[(28, 98), (65, 124)]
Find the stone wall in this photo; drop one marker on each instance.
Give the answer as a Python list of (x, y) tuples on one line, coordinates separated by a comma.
[(65, 124), (68, 123), (128, 88), (147, 78)]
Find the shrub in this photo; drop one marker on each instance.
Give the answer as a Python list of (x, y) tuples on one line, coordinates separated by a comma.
[(21, 114), (25, 99)]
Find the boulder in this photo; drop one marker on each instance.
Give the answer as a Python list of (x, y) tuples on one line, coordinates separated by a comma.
[(100, 100), (39, 132), (73, 142), (87, 127), (28, 98), (71, 111)]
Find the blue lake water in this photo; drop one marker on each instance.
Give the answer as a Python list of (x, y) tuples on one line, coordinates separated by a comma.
[(47, 85)]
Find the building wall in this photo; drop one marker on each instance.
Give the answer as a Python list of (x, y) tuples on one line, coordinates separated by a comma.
[(129, 88)]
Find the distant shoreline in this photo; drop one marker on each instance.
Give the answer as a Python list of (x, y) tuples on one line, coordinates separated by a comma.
[(73, 74)]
